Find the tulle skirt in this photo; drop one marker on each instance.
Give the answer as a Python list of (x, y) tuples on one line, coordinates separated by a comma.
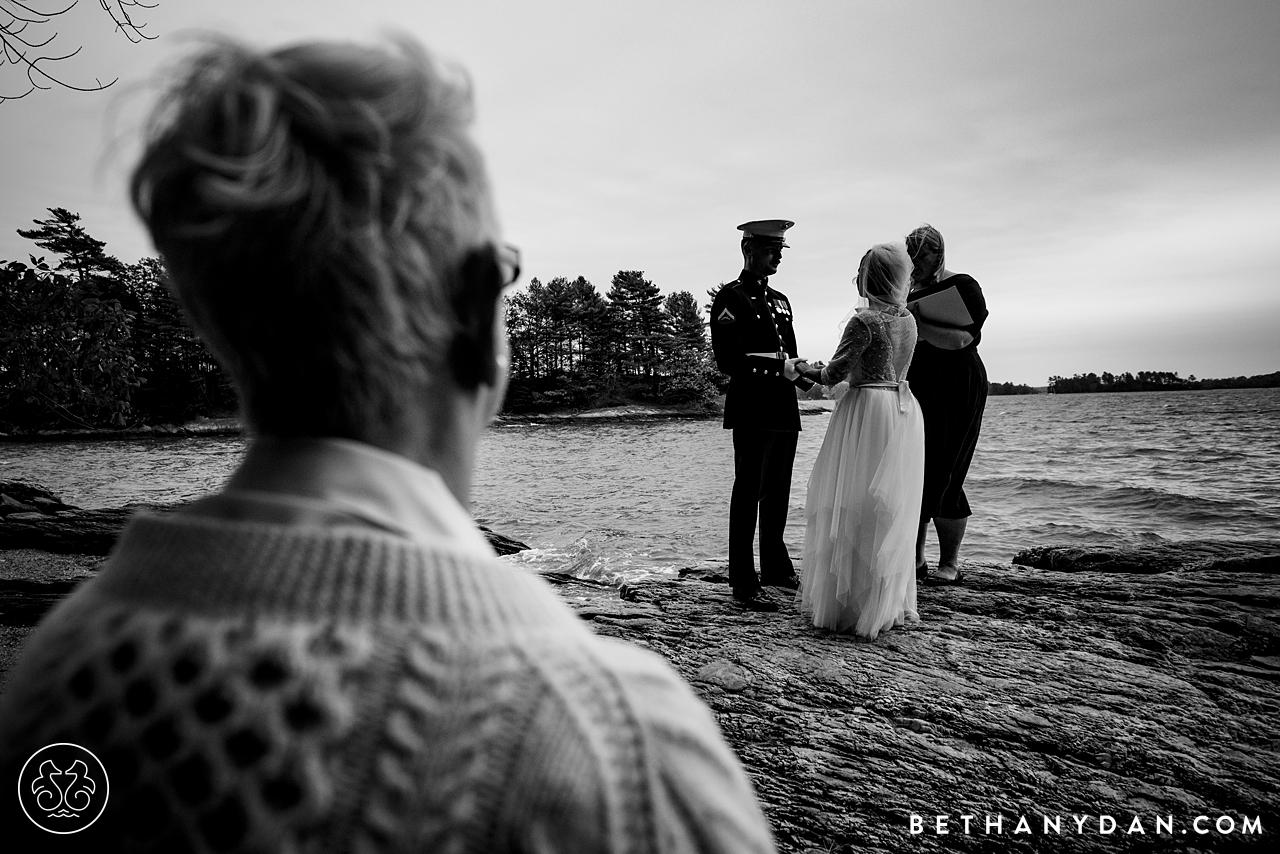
[(862, 514)]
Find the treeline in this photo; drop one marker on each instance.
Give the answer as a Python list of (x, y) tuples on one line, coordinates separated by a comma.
[(571, 346), (93, 342), (87, 341), (1154, 381), (1010, 388)]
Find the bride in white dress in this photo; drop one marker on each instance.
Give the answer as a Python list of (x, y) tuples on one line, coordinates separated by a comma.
[(863, 506)]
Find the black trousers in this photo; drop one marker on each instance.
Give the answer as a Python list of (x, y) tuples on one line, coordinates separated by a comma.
[(762, 461), (951, 389)]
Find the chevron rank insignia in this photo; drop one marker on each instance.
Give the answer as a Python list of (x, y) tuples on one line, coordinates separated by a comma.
[(725, 316)]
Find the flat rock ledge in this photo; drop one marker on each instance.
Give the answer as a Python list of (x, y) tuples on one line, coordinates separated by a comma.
[(1158, 557), (677, 412), (1022, 692), (233, 427), (198, 427), (31, 517)]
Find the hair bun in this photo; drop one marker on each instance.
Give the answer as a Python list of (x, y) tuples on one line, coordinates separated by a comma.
[(282, 134)]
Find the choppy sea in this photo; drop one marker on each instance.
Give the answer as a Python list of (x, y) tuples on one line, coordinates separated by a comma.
[(629, 499)]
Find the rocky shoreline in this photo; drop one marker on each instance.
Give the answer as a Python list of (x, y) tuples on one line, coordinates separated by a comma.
[(198, 427), (232, 426), (1022, 692), (31, 517), (1074, 683)]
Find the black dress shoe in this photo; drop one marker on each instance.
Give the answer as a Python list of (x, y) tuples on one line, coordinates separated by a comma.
[(752, 602), (791, 582)]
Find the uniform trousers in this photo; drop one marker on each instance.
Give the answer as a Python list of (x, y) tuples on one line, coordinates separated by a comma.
[(762, 461)]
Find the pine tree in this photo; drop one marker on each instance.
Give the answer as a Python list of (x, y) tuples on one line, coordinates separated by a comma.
[(63, 235), (589, 319), (523, 317), (689, 369), (688, 326), (178, 376), (641, 326)]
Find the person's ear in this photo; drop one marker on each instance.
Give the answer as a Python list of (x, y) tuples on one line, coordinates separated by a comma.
[(473, 354)]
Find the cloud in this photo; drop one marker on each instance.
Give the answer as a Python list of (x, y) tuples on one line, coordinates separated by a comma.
[(1101, 168)]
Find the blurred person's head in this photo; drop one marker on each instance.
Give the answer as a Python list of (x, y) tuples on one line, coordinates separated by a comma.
[(928, 253), (326, 222), (885, 273)]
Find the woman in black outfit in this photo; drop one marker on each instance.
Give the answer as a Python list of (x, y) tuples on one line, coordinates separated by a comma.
[(950, 383)]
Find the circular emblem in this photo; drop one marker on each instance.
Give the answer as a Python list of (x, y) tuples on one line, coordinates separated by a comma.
[(63, 788)]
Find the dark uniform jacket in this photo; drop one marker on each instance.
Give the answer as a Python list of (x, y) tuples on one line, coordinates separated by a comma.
[(748, 316)]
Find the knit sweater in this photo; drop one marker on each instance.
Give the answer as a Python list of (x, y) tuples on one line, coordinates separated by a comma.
[(266, 687)]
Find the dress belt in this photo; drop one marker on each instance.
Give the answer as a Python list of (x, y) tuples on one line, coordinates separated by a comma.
[(901, 387)]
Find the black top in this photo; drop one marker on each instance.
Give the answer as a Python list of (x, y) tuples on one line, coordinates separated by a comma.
[(748, 316), (971, 293)]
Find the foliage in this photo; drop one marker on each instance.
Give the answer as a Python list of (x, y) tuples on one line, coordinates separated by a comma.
[(1153, 381), (641, 329), (63, 235), (65, 353), (1271, 380), (87, 341), (691, 371), (573, 348), (1010, 388), (92, 342), (554, 329), (179, 379)]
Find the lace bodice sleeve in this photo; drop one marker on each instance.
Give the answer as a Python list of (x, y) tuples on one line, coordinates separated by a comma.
[(855, 339), (876, 348)]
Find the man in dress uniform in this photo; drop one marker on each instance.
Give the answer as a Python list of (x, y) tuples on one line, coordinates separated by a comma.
[(752, 336)]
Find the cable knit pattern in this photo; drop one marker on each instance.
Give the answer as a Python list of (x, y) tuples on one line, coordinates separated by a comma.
[(253, 687)]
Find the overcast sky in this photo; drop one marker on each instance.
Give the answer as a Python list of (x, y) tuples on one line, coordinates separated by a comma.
[(1109, 172)]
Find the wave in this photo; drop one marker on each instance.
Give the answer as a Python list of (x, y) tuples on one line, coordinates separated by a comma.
[(1145, 499), (606, 555)]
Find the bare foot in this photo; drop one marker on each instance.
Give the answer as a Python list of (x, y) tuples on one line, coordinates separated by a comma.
[(947, 572)]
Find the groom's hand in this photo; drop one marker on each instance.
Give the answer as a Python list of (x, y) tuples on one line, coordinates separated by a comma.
[(789, 369)]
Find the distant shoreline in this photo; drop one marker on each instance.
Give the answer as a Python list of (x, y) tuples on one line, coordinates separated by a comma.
[(608, 414), (1155, 381), (233, 427)]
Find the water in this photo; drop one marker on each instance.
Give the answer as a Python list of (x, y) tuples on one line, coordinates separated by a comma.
[(623, 500)]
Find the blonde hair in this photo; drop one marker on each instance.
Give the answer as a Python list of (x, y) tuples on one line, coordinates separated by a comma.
[(927, 237), (313, 205)]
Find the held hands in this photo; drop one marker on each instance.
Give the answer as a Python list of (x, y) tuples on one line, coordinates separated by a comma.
[(795, 368)]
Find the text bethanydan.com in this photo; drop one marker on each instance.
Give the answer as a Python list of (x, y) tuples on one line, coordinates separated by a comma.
[(1102, 824)]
